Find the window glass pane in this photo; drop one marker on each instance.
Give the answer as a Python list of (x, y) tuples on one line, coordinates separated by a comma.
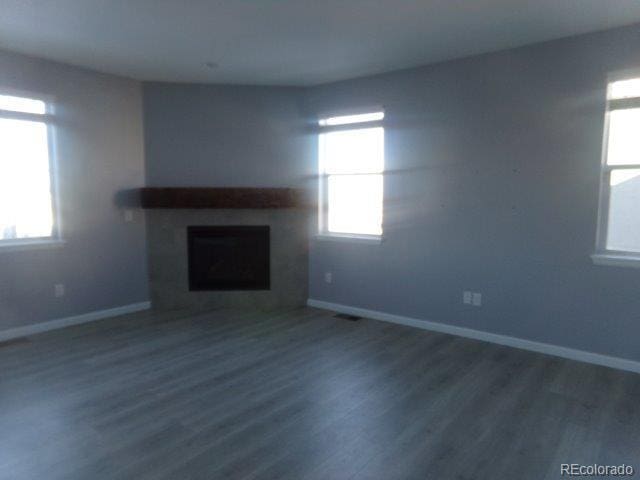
[(623, 232), (625, 89), (25, 190), (22, 104), (624, 137), (352, 151), (346, 119), (355, 204)]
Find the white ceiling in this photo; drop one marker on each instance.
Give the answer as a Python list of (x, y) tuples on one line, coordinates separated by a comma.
[(287, 42)]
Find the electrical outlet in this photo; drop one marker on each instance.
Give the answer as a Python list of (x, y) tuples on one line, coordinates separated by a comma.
[(466, 298), (477, 299), (58, 290), (128, 216), (328, 277)]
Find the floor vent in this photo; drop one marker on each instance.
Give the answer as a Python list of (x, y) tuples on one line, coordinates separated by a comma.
[(14, 341), (346, 316)]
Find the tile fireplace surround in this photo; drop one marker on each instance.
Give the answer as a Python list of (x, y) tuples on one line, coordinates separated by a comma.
[(168, 260)]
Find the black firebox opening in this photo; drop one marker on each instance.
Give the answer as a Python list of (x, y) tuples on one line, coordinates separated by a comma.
[(229, 258)]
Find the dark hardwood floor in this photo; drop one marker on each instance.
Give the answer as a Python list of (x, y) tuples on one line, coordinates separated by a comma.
[(300, 395)]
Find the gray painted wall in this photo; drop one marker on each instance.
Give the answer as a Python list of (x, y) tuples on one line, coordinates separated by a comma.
[(231, 136), (99, 152), (492, 186)]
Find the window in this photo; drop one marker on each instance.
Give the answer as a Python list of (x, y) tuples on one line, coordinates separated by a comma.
[(26, 196), (351, 161), (618, 239)]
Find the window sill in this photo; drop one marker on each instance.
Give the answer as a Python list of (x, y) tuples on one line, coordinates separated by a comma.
[(614, 260), (346, 237), (19, 245)]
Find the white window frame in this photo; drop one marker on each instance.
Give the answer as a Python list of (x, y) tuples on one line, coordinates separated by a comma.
[(48, 118), (323, 203), (603, 255)]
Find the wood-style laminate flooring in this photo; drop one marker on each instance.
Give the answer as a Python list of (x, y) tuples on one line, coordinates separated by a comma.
[(300, 394)]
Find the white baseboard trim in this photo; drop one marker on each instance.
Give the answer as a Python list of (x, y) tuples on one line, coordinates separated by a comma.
[(549, 349), (18, 332)]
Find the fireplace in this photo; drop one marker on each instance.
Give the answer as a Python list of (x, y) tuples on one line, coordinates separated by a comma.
[(228, 257)]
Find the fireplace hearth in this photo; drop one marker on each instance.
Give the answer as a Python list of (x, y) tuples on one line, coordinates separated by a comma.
[(228, 257)]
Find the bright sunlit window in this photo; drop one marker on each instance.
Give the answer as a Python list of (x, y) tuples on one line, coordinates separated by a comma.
[(351, 159), (619, 226), (26, 197)]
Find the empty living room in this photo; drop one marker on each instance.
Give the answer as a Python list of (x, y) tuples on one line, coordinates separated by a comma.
[(319, 240)]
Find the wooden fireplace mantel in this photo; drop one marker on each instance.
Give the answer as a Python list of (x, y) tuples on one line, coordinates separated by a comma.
[(206, 197)]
